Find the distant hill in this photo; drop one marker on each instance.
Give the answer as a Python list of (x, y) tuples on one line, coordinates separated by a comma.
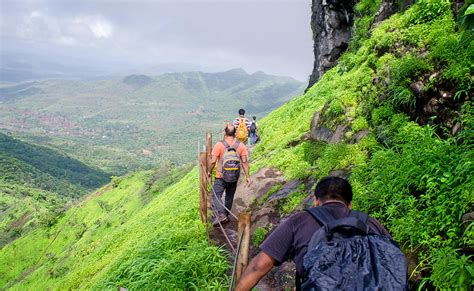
[(36, 183), (137, 80), (137, 121), (45, 168)]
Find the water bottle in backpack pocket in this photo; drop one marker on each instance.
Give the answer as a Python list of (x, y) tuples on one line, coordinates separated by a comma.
[(342, 255), (230, 163)]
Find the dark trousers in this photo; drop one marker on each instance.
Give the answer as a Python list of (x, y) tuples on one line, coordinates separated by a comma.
[(219, 187)]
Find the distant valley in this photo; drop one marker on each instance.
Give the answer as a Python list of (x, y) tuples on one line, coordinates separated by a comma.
[(137, 121)]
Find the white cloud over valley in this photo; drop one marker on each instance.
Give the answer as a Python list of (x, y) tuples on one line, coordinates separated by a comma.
[(273, 36)]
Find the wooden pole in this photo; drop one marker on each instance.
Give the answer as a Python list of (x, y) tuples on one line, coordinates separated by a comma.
[(243, 258), (209, 159), (209, 149), (203, 186)]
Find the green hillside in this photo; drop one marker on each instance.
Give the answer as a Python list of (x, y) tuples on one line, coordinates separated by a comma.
[(138, 121), (395, 114), (35, 185), (411, 167), (47, 169), (129, 233)]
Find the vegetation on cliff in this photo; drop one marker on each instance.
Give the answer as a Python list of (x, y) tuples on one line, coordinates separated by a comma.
[(398, 111)]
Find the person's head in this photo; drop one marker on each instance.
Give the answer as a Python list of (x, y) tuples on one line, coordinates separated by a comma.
[(333, 188), (241, 112), (254, 117), (229, 130)]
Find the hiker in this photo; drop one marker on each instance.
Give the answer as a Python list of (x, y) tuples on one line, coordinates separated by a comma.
[(349, 250), (232, 156), (242, 124), (253, 131)]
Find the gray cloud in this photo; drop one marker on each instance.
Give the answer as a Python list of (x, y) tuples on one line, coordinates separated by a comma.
[(273, 36)]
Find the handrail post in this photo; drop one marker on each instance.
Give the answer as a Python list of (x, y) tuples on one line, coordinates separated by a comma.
[(204, 164), (203, 193), (243, 255), (208, 166)]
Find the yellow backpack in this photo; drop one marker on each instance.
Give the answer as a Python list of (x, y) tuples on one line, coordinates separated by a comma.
[(242, 130)]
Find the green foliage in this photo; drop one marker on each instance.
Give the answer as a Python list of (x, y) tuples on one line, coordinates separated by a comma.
[(466, 16), (428, 10), (416, 183), (289, 204), (452, 271), (433, 179), (112, 240), (359, 124), (367, 7), (259, 236), (270, 192), (402, 72), (45, 168)]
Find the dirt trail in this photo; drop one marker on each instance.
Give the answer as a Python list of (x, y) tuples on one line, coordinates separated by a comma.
[(249, 198)]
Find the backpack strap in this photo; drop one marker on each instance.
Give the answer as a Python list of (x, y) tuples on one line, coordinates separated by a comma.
[(359, 215), (355, 219), (349, 221), (227, 145), (321, 215)]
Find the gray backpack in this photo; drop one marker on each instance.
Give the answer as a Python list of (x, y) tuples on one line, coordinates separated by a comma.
[(344, 255), (230, 163)]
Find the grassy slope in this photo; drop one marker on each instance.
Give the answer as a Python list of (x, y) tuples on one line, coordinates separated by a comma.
[(23, 163), (418, 184), (114, 238), (36, 183)]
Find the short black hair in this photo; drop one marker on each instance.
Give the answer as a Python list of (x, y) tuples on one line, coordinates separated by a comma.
[(241, 111), (333, 188), (254, 117), (229, 130)]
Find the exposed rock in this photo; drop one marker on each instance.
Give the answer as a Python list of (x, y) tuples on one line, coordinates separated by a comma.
[(279, 278), (331, 22), (389, 7), (359, 135), (340, 173), (338, 134), (264, 217), (320, 132), (262, 182), (417, 87), (284, 192), (468, 217), (456, 128)]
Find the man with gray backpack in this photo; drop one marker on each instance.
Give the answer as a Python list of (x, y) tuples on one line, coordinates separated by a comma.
[(332, 246), (232, 156)]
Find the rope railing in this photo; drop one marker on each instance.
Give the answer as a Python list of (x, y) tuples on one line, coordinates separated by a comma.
[(208, 198)]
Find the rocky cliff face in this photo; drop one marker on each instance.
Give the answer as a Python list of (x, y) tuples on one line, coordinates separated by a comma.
[(331, 22)]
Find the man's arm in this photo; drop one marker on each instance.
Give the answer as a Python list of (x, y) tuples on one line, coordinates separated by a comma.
[(245, 166), (258, 267)]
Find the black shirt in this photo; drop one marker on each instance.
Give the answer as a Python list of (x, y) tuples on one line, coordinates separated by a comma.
[(291, 238)]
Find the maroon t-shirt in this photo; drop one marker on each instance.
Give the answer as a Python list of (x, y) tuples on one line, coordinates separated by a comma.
[(291, 238)]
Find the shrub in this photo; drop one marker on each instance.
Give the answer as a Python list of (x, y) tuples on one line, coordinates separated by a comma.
[(259, 236), (428, 10)]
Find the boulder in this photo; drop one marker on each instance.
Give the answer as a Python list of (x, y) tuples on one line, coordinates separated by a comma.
[(262, 182), (284, 192)]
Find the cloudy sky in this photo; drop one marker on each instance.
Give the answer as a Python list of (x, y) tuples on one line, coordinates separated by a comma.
[(272, 36)]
